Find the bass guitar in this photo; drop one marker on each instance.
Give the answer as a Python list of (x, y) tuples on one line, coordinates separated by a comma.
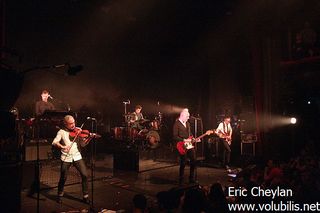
[(187, 144)]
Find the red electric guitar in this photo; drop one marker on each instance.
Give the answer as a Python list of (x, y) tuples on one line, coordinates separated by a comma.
[(186, 144)]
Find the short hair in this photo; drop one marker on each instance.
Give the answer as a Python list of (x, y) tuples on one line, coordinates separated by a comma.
[(67, 117), (226, 117), (44, 91), (138, 107)]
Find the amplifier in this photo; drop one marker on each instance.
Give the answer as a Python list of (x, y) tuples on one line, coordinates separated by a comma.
[(45, 151)]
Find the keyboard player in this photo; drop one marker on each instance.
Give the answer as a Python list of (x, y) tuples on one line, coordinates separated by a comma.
[(44, 104)]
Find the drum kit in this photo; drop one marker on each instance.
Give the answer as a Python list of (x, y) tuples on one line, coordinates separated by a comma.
[(148, 134)]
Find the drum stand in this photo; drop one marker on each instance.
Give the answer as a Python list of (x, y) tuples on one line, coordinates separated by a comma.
[(125, 103)]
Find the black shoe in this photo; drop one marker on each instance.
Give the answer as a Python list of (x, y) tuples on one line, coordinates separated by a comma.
[(59, 199)]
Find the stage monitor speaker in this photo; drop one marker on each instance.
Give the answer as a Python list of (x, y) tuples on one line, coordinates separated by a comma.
[(247, 122), (45, 151)]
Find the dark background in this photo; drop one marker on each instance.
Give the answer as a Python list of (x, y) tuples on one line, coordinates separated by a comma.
[(210, 56)]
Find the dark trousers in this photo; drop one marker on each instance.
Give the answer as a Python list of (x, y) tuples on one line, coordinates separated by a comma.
[(226, 153), (192, 156), (81, 167)]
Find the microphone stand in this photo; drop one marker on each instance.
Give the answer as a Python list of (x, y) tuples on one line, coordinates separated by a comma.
[(38, 168), (93, 153), (196, 119), (125, 103)]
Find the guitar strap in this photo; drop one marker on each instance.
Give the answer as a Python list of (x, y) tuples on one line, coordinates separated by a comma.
[(225, 128)]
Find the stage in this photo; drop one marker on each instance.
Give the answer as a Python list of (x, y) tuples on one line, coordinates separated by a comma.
[(116, 188)]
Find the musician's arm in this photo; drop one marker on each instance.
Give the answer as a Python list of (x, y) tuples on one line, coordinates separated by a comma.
[(57, 141), (37, 109), (132, 118), (219, 128), (52, 107)]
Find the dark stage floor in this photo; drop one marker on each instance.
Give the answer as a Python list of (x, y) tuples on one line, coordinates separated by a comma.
[(116, 189)]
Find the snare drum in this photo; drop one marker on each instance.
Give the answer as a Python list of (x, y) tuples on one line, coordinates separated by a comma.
[(118, 133)]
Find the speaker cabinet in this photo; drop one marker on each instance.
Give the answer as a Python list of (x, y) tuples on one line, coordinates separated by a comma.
[(45, 151)]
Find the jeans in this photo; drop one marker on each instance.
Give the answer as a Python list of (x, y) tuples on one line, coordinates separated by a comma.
[(191, 155), (226, 153), (81, 167)]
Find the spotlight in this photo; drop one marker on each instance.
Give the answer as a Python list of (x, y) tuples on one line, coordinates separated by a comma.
[(293, 120), (309, 102)]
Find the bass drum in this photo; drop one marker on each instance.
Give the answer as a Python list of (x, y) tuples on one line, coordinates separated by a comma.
[(153, 139)]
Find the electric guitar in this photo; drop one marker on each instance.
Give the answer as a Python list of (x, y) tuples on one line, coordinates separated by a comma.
[(224, 136), (187, 144)]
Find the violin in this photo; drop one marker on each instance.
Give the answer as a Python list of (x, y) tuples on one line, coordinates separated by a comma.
[(82, 135)]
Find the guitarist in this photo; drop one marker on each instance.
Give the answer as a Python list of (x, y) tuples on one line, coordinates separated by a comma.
[(224, 131), (181, 131)]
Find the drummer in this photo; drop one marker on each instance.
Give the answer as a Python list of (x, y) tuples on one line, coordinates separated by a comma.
[(136, 118)]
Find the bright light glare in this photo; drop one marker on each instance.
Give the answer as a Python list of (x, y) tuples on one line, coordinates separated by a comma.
[(293, 120)]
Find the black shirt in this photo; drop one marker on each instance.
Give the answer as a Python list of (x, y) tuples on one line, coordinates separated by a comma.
[(42, 106), (181, 132)]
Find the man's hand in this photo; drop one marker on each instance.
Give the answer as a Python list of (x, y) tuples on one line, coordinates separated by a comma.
[(188, 140), (65, 148)]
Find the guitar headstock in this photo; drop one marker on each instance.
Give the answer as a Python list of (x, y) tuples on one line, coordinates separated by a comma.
[(209, 132)]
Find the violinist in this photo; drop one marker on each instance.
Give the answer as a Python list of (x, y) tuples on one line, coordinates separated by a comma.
[(70, 154)]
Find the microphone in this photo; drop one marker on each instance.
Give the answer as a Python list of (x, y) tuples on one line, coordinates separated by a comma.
[(126, 102), (91, 118), (49, 96)]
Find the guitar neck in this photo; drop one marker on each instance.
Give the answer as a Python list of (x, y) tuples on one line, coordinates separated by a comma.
[(201, 136)]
